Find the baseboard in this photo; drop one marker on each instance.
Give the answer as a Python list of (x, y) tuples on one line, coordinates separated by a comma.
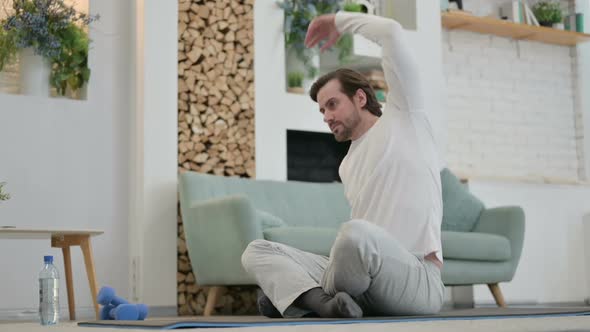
[(516, 304), (82, 313), (449, 305), (164, 311)]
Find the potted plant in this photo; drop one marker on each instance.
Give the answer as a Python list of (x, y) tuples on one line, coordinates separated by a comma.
[(345, 43), (52, 43), (3, 196), (295, 82), (548, 14), (351, 6)]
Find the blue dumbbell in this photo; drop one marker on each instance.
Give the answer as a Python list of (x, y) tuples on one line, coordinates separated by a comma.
[(143, 311), (105, 310), (120, 312), (106, 296)]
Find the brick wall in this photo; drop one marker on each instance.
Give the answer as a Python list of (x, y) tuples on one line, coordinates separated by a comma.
[(511, 106)]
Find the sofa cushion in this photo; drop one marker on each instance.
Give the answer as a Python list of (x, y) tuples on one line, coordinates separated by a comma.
[(317, 240), (475, 246), (268, 220), (461, 209)]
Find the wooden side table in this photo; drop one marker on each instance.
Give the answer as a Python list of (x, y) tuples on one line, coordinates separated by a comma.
[(64, 239)]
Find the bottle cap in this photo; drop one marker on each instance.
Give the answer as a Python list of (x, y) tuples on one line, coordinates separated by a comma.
[(48, 259)]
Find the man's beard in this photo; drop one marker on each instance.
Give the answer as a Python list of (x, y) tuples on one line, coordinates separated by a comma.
[(345, 133)]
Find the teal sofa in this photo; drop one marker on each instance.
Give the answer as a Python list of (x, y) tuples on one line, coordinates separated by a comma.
[(221, 215)]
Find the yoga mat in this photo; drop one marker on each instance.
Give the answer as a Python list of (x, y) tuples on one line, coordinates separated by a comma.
[(251, 321)]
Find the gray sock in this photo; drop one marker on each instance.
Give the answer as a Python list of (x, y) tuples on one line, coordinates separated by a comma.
[(266, 308), (326, 306)]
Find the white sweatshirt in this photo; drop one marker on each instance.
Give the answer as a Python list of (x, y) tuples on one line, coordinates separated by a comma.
[(391, 173)]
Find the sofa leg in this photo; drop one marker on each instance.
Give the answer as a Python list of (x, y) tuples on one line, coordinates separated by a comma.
[(497, 293), (212, 298)]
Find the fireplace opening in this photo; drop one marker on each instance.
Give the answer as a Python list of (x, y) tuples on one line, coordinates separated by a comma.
[(314, 156)]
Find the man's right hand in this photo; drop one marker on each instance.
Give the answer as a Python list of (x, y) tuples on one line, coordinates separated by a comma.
[(320, 28)]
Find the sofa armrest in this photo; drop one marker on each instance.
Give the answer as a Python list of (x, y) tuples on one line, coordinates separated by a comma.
[(217, 232), (507, 221)]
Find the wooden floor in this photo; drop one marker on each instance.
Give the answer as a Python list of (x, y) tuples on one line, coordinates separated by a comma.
[(565, 324)]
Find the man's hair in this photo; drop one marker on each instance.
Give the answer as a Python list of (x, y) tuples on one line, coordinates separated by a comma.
[(350, 81)]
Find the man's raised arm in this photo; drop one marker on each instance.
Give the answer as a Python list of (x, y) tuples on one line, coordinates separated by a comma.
[(399, 66)]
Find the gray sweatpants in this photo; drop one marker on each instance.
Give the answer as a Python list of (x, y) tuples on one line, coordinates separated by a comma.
[(370, 265)]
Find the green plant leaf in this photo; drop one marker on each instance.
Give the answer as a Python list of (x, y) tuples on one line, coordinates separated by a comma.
[(3, 195), (8, 49), (71, 67), (85, 74), (77, 59)]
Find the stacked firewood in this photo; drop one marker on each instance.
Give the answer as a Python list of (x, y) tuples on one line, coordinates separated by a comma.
[(215, 118)]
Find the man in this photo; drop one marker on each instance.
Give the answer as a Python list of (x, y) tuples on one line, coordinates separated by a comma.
[(387, 260)]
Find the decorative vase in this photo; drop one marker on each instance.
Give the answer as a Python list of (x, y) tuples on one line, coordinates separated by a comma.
[(558, 26), (34, 74)]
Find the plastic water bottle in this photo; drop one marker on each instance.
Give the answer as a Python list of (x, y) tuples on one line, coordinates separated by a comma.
[(49, 293)]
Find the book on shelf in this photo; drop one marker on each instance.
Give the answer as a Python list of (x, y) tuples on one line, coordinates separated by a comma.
[(511, 11), (518, 11), (529, 14)]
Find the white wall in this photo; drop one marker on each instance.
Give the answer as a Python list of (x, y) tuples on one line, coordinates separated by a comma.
[(552, 265), (66, 165)]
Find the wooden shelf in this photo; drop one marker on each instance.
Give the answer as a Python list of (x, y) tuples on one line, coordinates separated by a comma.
[(488, 25)]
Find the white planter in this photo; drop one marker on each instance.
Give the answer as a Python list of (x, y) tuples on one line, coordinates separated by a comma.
[(34, 74), (297, 90), (558, 26)]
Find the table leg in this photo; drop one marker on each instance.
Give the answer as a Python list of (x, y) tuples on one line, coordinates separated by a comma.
[(69, 281), (89, 262)]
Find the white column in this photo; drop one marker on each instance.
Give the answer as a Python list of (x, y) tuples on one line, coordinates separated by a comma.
[(586, 227), (583, 87), (430, 59), (152, 234)]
